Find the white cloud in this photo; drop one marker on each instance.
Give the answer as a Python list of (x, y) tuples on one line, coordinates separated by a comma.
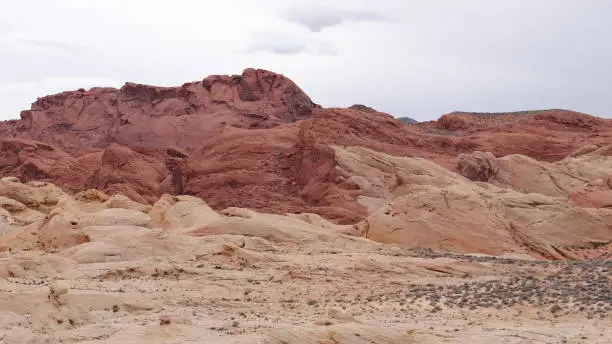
[(4, 28), (53, 44), (317, 17), (286, 44)]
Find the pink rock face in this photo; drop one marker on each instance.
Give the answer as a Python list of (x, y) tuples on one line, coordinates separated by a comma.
[(254, 140), (147, 116), (547, 135)]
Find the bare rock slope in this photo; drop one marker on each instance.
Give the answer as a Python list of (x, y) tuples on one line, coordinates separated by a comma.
[(94, 268)]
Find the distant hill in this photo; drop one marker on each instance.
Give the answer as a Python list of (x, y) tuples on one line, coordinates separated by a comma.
[(408, 120), (361, 107)]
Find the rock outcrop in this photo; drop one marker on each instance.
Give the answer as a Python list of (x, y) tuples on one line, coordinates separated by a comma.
[(158, 117), (408, 201), (414, 202), (257, 141)]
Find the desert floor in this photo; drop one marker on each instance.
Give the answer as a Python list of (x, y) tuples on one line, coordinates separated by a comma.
[(305, 294)]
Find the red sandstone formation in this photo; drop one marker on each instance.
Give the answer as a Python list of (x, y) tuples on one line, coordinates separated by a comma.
[(156, 117), (547, 135), (254, 141)]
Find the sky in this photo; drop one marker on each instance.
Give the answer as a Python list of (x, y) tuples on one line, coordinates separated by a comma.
[(417, 58)]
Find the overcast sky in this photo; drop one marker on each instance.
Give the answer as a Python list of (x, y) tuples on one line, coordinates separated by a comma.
[(417, 58)]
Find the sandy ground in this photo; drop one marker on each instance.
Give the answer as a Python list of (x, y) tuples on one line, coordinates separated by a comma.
[(305, 294)]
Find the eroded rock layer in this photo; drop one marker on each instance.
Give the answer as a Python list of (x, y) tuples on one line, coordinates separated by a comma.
[(257, 141)]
